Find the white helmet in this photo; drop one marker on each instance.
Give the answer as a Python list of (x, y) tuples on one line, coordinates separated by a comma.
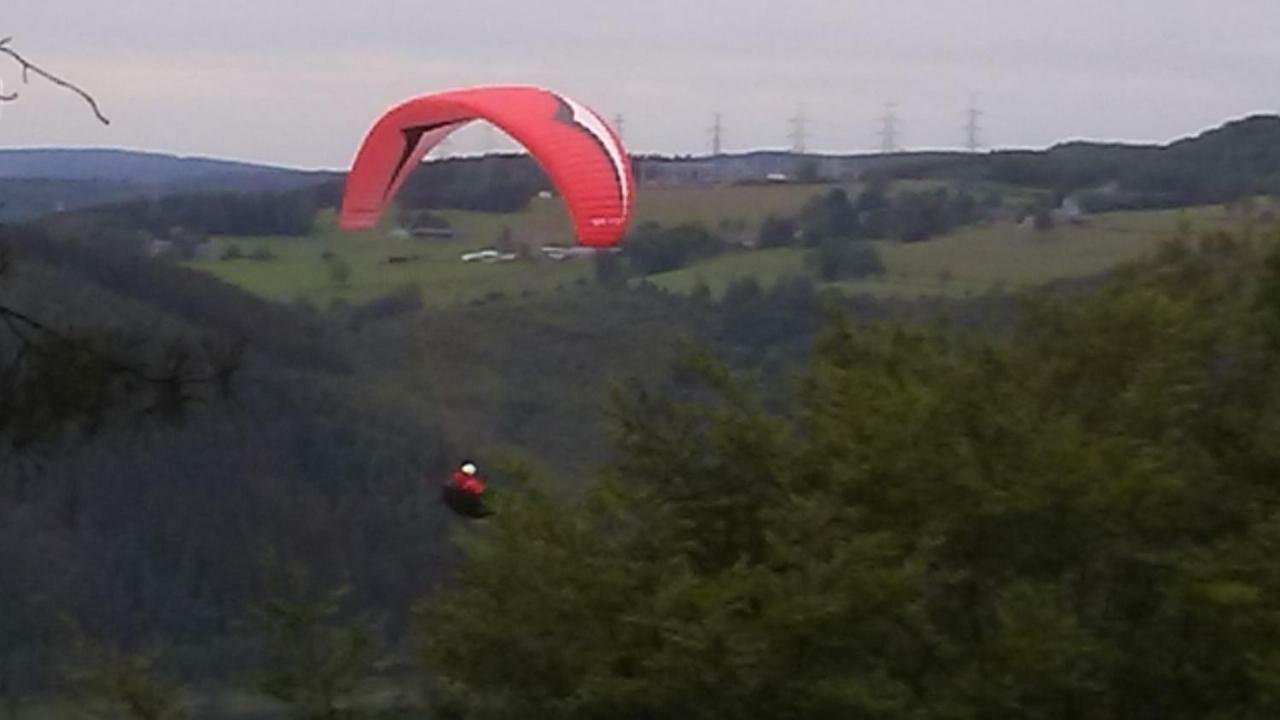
[(469, 468)]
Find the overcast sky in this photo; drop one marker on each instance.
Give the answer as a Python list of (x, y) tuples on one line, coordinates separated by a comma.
[(298, 82)]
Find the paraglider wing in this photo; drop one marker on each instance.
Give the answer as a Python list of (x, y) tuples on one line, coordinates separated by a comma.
[(579, 152)]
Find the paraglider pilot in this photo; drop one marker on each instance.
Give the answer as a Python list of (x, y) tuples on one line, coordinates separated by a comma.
[(464, 492)]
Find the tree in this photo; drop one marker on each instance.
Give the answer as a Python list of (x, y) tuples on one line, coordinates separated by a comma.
[(777, 232), (829, 216), (652, 248), (317, 662), (921, 215), (836, 259), (1073, 519), (609, 269), (339, 270), (29, 68), (808, 170), (1042, 218), (57, 379), (110, 683)]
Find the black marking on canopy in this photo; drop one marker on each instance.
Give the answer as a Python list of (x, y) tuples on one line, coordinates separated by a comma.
[(412, 136)]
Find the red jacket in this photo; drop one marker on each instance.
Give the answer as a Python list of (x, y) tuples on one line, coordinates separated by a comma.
[(467, 483)]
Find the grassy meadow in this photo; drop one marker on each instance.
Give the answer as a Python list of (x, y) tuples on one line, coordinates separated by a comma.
[(971, 260), (299, 271), (975, 260)]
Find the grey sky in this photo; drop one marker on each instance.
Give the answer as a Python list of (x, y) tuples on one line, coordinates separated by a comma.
[(299, 82)]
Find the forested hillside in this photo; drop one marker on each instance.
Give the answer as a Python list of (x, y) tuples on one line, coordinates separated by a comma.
[(329, 449), (1050, 501), (1218, 165), (1073, 519), (37, 182)]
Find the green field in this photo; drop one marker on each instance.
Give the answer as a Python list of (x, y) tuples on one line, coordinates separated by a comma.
[(299, 271), (969, 261), (976, 259)]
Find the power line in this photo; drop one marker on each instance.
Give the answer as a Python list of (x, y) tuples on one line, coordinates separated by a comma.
[(889, 129), (972, 129), (717, 136), (799, 132)]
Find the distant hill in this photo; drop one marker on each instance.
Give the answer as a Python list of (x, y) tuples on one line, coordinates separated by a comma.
[(36, 182), (1238, 159), (144, 168)]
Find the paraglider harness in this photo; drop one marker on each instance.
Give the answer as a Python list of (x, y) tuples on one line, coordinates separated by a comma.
[(464, 492)]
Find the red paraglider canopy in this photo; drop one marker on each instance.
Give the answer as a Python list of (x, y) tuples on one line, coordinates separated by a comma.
[(581, 154)]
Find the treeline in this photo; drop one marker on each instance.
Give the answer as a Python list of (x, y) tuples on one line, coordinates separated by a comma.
[(143, 532), (184, 217), (80, 269), (493, 183), (1077, 519), (327, 451), (879, 214), (1224, 164), (834, 228)]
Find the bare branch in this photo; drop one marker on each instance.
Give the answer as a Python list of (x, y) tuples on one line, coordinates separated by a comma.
[(179, 362), (28, 68)]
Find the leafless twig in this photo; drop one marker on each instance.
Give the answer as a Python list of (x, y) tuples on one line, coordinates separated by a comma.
[(28, 68), (21, 326)]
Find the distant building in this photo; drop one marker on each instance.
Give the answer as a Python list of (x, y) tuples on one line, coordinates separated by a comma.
[(560, 252), (765, 166), (157, 247), (1069, 212), (488, 256), (432, 232)]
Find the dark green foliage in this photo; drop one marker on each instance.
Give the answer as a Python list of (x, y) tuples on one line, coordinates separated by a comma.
[(190, 297), (837, 259), (422, 219), (1077, 519), (332, 449), (112, 684), (610, 269), (829, 216), (909, 215), (964, 208), (225, 213), (339, 270), (57, 380), (874, 206), (1235, 160), (405, 300), (1042, 218), (317, 661), (493, 183), (921, 215), (652, 249), (148, 531), (777, 232), (808, 171)]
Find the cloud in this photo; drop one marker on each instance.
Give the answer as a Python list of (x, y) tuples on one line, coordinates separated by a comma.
[(298, 83)]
